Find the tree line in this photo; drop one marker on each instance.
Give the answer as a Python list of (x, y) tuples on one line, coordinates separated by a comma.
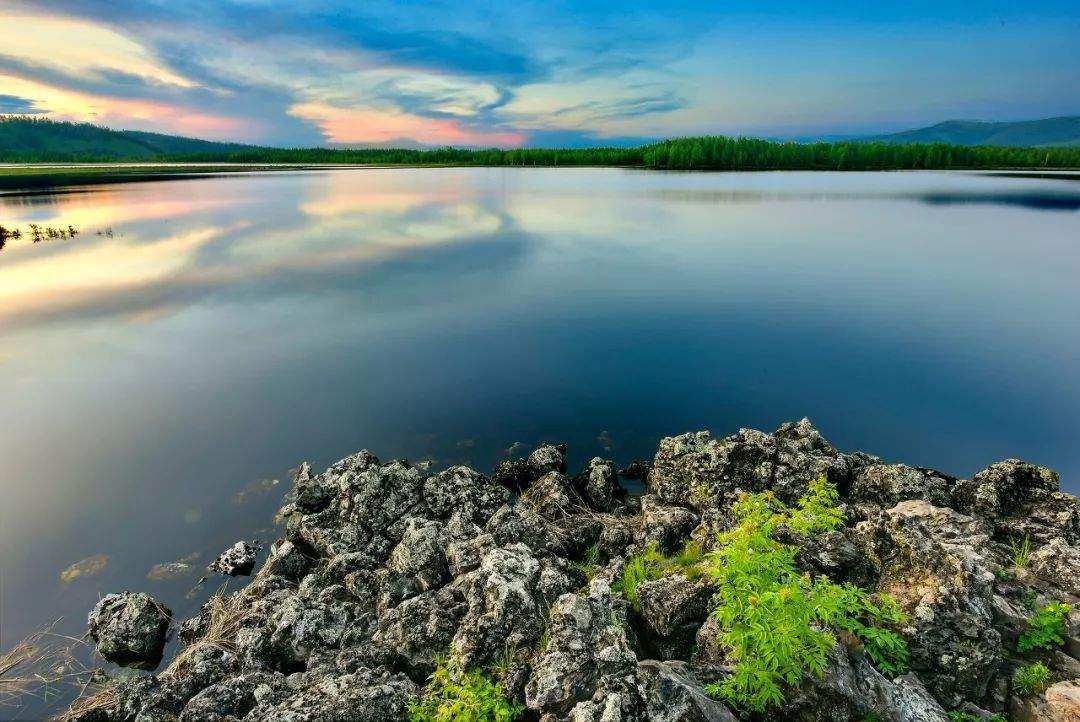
[(25, 140)]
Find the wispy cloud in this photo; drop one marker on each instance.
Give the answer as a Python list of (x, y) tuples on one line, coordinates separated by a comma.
[(489, 72)]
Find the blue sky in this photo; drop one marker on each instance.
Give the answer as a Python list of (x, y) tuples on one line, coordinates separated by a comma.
[(533, 73)]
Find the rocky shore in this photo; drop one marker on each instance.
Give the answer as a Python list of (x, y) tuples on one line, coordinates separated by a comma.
[(538, 594)]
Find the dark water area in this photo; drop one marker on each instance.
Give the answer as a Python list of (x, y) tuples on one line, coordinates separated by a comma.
[(162, 371)]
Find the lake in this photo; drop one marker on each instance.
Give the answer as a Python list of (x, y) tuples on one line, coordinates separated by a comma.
[(161, 371)]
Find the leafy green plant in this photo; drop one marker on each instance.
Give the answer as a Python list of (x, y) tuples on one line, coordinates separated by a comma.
[(1021, 552), (1032, 679), (651, 564), (817, 509), (453, 694), (776, 623), (643, 567), (1046, 629), (962, 716)]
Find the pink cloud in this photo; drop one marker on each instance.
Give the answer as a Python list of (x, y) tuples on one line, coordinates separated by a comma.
[(352, 125)]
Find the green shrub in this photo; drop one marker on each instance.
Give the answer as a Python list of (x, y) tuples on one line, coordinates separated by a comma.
[(1032, 679), (1046, 629), (776, 623), (455, 695)]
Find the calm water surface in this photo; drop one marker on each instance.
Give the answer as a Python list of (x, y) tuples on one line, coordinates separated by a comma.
[(155, 382)]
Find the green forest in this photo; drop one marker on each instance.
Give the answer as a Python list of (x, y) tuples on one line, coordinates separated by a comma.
[(24, 140)]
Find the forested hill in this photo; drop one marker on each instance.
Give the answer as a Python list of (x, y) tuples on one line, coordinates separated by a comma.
[(26, 139), (1064, 131), (29, 141)]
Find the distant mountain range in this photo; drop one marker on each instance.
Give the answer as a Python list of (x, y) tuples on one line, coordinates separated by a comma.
[(1064, 131), (31, 139)]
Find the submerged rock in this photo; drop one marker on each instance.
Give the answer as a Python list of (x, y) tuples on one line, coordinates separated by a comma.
[(388, 568), (130, 629)]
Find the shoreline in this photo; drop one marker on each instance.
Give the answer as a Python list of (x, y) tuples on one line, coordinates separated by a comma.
[(565, 597)]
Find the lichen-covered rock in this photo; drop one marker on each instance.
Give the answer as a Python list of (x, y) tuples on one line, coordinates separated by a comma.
[(851, 689), (598, 484), (1022, 499), (547, 458), (386, 568), (130, 629), (237, 560), (419, 630), (933, 565), (695, 469), (667, 526), (673, 694), (363, 696), (673, 608), (1060, 703), (588, 664), (885, 485), (1058, 564), (288, 560), (504, 606)]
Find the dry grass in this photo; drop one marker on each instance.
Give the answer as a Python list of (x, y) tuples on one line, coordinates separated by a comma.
[(39, 667), (226, 611)]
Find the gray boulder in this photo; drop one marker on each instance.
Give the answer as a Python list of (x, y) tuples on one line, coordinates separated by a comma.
[(937, 570), (367, 695), (130, 629), (237, 560), (673, 608), (673, 694), (697, 470)]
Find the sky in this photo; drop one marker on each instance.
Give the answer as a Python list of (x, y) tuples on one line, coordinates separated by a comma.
[(523, 73)]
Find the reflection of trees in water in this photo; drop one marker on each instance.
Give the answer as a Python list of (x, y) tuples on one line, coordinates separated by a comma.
[(37, 233)]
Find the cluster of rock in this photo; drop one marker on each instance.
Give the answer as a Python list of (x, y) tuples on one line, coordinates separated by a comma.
[(385, 568)]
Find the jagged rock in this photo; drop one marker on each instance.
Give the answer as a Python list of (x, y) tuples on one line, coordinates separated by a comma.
[(673, 694), (851, 689), (461, 496), (386, 567), (588, 661), (301, 626), (1058, 564), (364, 696), (636, 471), (420, 553), (598, 484), (933, 566), (887, 484), (695, 469), (231, 699), (287, 560), (237, 560), (673, 608), (503, 607), (547, 458), (130, 629), (1023, 499), (313, 493), (667, 526), (840, 555), (1060, 703), (516, 474), (549, 496), (421, 629)]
